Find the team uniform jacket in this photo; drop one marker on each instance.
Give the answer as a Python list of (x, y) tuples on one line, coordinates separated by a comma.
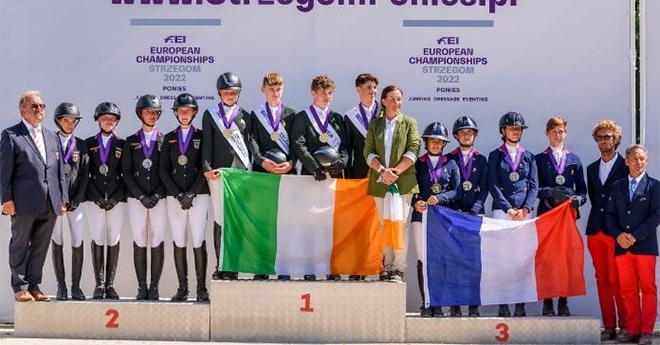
[(139, 180), (507, 194), (450, 179), (216, 150), (472, 201), (110, 186), (573, 173), (188, 178), (306, 140), (260, 141), (76, 181), (599, 194)]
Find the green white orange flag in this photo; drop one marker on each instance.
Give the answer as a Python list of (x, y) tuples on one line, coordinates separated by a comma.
[(294, 225)]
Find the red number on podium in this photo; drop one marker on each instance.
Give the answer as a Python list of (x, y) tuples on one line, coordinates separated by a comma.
[(308, 301), (114, 315), (504, 332)]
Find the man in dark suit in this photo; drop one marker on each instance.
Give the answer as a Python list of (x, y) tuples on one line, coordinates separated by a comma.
[(601, 174), (633, 216), (33, 194)]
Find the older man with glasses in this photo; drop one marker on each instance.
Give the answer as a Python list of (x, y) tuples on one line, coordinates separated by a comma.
[(601, 174), (33, 194)]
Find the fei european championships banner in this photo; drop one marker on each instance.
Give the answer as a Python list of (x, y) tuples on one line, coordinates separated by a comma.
[(451, 57)]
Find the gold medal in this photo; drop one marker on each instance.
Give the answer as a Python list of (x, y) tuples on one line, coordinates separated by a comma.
[(227, 133), (275, 136), (324, 138)]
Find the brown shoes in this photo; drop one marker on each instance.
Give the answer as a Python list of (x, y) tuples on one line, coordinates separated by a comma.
[(23, 296), (39, 296)]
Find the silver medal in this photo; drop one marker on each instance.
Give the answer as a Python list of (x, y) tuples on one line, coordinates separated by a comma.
[(467, 186), (182, 160), (514, 176), (67, 169), (103, 169), (147, 163), (560, 179), (436, 188)]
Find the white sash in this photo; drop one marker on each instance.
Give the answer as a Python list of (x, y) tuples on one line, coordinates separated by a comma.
[(355, 117), (236, 140), (334, 139), (283, 141)]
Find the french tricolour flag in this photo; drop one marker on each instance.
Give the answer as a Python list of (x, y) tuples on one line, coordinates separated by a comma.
[(478, 260)]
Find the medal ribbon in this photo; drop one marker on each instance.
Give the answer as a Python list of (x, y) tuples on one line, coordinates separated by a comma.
[(223, 115), (436, 171), (275, 123), (148, 150), (103, 151), (322, 126), (559, 167), (363, 115), (183, 144), (466, 170), (71, 147), (507, 158)]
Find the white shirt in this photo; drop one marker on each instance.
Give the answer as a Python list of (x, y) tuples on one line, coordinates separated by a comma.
[(637, 179), (513, 151), (38, 137), (273, 112), (147, 137), (105, 138), (64, 140), (184, 133), (557, 152), (465, 154), (322, 113), (369, 110), (434, 160), (605, 168), (389, 136)]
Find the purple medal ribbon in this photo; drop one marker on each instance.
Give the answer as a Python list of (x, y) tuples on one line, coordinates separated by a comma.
[(466, 170), (183, 144), (507, 158), (104, 151), (148, 150), (322, 126), (436, 171), (278, 116), (363, 115), (72, 147), (223, 115), (559, 168)]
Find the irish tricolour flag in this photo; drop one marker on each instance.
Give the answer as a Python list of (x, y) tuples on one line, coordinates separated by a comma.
[(294, 225), (478, 260)]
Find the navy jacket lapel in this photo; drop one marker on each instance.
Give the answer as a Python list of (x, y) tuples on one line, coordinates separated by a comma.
[(28, 137)]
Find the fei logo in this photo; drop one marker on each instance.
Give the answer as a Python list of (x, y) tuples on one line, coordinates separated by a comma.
[(175, 39), (448, 40)]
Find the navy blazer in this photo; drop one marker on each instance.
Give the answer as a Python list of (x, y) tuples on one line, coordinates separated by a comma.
[(507, 194), (450, 179), (573, 173), (641, 216), (25, 177), (472, 201), (599, 194)]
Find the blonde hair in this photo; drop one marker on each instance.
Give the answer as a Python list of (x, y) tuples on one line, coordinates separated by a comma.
[(25, 95), (322, 82), (609, 125), (273, 79)]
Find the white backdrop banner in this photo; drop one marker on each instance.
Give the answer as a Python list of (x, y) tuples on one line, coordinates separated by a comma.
[(542, 58)]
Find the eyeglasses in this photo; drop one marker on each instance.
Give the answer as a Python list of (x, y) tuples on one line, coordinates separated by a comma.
[(37, 106), (604, 137)]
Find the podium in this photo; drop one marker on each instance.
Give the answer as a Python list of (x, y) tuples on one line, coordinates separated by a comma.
[(125, 319), (308, 312)]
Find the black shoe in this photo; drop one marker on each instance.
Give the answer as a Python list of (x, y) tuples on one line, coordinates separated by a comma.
[(455, 311), (230, 276), (283, 277), (437, 312), (157, 261), (201, 262), (503, 311), (520, 310), (354, 277), (562, 307), (397, 276), (140, 263), (60, 276), (260, 277), (110, 271), (181, 267), (473, 311), (334, 277), (548, 308), (218, 275), (77, 254), (99, 270), (309, 277), (426, 312), (608, 334), (385, 276)]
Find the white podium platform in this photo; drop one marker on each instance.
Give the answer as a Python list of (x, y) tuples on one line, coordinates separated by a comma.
[(493, 330), (125, 319), (310, 312)]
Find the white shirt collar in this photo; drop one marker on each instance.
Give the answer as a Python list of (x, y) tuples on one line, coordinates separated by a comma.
[(611, 161), (557, 149), (637, 179), (392, 121), (322, 113), (30, 127)]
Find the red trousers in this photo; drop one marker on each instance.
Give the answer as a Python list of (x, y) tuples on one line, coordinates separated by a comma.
[(637, 274), (601, 248)]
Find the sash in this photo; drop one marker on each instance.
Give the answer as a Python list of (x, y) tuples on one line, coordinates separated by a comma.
[(334, 139), (283, 141), (236, 140), (356, 117)]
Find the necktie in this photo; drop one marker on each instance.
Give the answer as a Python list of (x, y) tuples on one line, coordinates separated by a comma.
[(39, 141), (633, 186)]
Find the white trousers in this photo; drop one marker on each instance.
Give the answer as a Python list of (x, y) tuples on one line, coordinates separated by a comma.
[(215, 186), (417, 234), (105, 226), (195, 217), (147, 223), (76, 220), (395, 259)]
